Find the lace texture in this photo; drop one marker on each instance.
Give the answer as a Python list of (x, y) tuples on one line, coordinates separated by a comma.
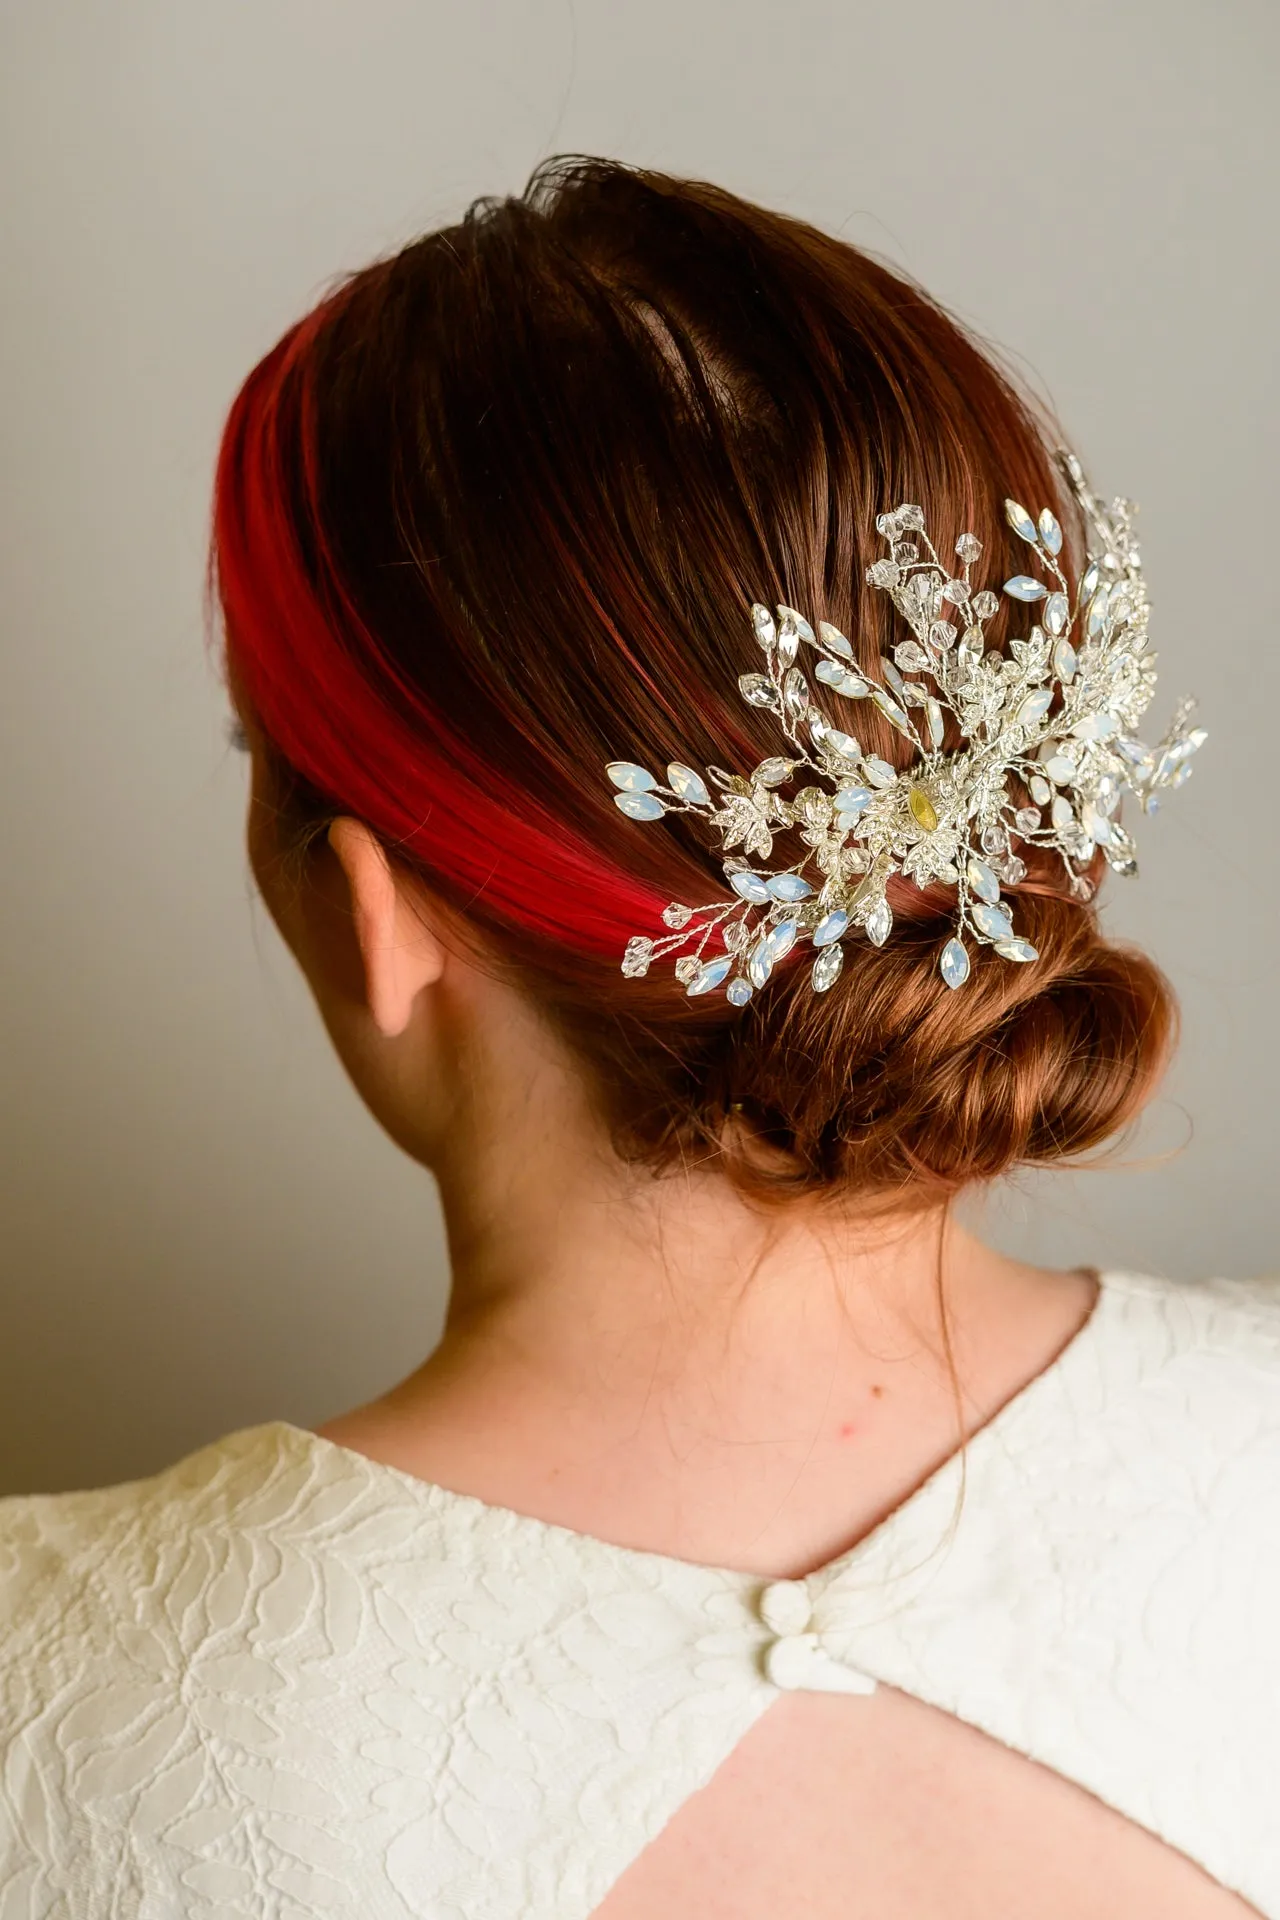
[(277, 1681)]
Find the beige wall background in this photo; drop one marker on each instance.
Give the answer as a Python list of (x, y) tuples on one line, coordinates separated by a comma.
[(201, 1227)]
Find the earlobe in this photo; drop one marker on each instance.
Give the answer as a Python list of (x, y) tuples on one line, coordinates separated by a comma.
[(399, 954)]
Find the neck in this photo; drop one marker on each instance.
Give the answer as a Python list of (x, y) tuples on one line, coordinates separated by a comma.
[(704, 1291), (658, 1357)]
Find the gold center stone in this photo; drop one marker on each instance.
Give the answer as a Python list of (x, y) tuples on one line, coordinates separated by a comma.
[(922, 808)]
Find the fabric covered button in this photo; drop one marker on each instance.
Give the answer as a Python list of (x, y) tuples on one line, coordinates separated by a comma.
[(785, 1608), (796, 1663), (788, 1660)]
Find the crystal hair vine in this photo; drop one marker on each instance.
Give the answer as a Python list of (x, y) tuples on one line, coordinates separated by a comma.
[(1057, 713)]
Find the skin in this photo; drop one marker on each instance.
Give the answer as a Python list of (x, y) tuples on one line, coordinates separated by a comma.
[(652, 1362)]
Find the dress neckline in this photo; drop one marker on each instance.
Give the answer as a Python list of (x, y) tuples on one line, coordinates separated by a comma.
[(998, 1432)]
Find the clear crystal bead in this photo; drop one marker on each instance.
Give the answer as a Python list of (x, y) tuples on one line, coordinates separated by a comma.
[(942, 634), (969, 547), (1027, 819), (734, 935), (762, 621), (911, 657), (1012, 870), (759, 962), (826, 968), (905, 551), (879, 923), (677, 916), (911, 517), (796, 691), (1121, 860), (954, 963), (984, 604), (933, 713), (757, 690), (883, 573), (636, 958), (798, 621), (788, 636), (772, 773), (995, 839), (956, 591), (686, 966)]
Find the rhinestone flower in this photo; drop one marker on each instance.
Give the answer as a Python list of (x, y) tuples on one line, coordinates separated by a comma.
[(1054, 717)]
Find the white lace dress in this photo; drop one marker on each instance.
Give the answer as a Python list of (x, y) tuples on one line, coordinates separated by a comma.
[(277, 1678)]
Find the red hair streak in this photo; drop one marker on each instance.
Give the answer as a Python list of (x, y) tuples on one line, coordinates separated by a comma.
[(302, 653)]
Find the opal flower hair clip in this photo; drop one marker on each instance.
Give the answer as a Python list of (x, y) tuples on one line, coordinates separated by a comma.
[(1055, 715)]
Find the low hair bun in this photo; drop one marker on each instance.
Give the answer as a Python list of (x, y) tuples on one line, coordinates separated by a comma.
[(897, 1086)]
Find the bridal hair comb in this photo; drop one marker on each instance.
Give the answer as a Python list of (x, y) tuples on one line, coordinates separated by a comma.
[(1056, 717)]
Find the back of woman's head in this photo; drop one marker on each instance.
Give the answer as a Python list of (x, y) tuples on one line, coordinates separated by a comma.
[(494, 514)]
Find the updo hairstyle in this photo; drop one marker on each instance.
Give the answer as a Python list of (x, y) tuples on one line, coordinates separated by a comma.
[(494, 513)]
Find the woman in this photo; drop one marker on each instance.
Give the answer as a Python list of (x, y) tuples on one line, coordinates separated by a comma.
[(756, 1541)]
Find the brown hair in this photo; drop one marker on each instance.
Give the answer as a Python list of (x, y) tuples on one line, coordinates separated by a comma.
[(494, 514)]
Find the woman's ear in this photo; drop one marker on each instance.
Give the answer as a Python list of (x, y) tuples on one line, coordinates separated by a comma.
[(400, 955)]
